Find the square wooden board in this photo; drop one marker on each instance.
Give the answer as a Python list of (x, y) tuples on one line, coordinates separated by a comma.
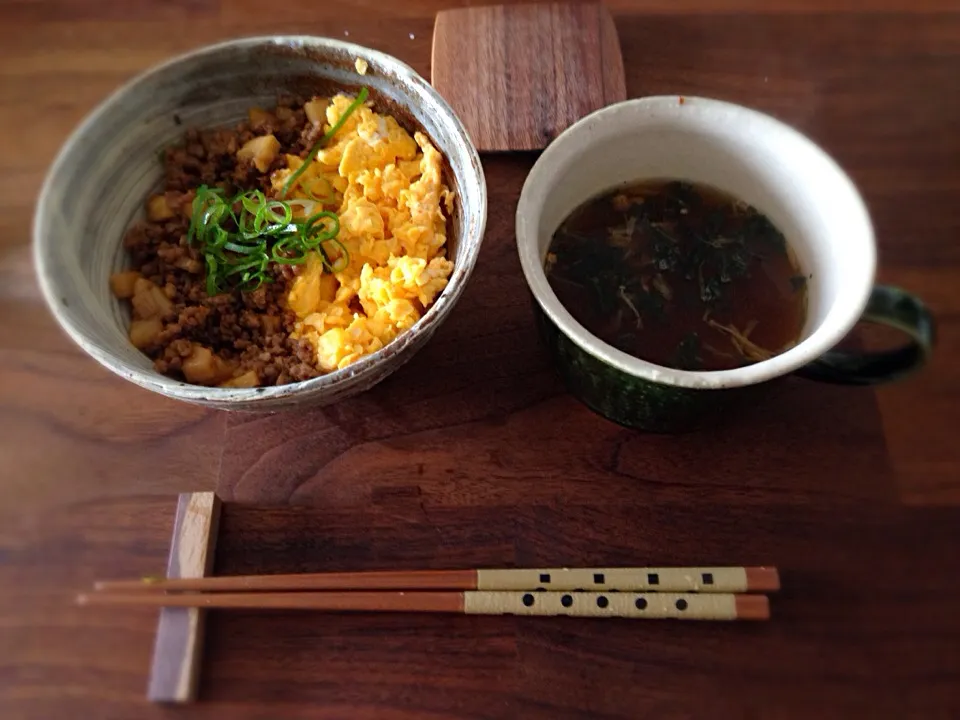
[(519, 75)]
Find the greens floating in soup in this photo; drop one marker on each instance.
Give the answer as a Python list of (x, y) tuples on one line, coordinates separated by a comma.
[(680, 275)]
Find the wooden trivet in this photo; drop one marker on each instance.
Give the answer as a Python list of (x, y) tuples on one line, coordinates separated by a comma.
[(519, 75), (175, 669)]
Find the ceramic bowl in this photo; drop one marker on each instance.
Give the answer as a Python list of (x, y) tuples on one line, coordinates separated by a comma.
[(98, 183), (762, 161)]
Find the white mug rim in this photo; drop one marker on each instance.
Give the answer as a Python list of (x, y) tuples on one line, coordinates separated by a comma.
[(595, 127)]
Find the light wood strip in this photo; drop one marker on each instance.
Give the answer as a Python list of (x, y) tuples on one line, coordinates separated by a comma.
[(175, 669), (350, 601), (368, 580)]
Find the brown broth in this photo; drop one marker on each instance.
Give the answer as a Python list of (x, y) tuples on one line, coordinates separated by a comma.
[(681, 275)]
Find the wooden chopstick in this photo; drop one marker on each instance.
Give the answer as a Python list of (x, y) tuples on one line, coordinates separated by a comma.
[(646, 579), (682, 606)]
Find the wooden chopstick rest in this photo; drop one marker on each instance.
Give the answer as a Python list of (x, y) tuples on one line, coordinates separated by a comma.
[(517, 75)]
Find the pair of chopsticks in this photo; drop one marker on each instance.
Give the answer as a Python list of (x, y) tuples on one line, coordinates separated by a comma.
[(707, 593)]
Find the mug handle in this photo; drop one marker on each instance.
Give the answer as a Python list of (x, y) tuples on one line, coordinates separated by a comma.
[(887, 306)]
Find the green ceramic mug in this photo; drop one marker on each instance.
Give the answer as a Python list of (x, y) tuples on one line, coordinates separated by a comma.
[(769, 165)]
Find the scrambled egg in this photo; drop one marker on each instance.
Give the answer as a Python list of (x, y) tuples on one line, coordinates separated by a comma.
[(386, 187)]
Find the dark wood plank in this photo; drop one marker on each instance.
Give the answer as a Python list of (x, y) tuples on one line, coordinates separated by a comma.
[(427, 8), (42, 11), (71, 430), (562, 59), (54, 658)]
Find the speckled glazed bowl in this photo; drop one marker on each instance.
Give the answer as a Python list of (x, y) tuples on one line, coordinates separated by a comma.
[(769, 165), (98, 184)]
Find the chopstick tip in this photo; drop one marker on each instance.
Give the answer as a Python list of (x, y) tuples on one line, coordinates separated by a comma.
[(753, 607), (763, 579)]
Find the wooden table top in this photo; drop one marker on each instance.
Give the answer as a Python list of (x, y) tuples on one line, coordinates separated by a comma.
[(474, 455)]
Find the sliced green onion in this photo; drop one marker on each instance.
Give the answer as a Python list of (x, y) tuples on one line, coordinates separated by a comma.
[(288, 245), (242, 249), (212, 285), (252, 200), (313, 236), (283, 217)]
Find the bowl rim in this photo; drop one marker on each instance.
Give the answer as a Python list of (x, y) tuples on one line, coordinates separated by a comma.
[(368, 364), (594, 128)]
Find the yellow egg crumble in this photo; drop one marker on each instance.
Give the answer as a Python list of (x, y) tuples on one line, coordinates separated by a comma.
[(387, 189)]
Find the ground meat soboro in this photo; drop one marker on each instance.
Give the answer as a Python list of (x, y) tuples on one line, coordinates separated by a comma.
[(234, 339)]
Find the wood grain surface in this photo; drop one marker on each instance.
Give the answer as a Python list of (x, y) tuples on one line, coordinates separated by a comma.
[(519, 75), (864, 625), (472, 455)]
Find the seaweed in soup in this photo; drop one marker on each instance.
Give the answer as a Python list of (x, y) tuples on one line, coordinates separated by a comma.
[(679, 274)]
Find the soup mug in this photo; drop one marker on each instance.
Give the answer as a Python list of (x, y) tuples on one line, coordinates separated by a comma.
[(761, 161)]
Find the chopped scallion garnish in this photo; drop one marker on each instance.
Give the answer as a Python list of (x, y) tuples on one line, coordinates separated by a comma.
[(239, 237)]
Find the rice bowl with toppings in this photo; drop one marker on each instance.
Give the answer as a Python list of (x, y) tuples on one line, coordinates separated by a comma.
[(96, 188)]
